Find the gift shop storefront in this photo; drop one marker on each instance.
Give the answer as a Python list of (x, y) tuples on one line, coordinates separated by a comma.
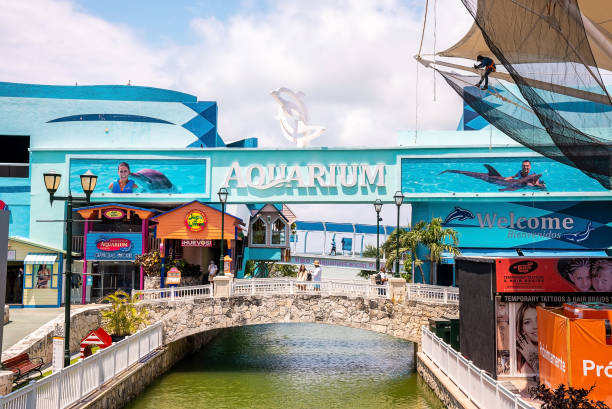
[(114, 234), (192, 232)]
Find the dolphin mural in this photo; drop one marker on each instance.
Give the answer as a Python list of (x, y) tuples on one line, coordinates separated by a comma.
[(579, 236), (458, 214), (494, 177), (153, 181)]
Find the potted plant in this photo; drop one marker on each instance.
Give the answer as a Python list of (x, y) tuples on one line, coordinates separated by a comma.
[(123, 318)]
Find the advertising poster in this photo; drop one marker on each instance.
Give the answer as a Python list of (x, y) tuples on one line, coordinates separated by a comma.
[(517, 338), (113, 246), (554, 279), (486, 174), (142, 176), (41, 275), (553, 332)]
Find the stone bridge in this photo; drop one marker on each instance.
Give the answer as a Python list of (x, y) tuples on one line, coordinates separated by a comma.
[(403, 319)]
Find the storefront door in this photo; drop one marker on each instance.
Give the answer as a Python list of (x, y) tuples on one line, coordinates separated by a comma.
[(110, 276)]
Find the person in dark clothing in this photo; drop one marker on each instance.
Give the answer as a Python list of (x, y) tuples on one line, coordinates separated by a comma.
[(489, 66)]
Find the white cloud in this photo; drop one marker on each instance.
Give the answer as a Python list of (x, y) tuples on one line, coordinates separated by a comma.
[(353, 59)]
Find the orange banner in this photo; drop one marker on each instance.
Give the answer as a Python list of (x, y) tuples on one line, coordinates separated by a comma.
[(574, 352)]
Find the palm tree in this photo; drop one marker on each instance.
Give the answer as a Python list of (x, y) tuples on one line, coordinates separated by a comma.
[(438, 240), (409, 240)]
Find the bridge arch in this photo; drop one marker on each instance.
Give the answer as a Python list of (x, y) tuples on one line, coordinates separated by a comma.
[(182, 318)]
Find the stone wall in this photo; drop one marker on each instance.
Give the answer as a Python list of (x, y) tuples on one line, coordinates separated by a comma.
[(131, 383), (40, 342), (402, 320)]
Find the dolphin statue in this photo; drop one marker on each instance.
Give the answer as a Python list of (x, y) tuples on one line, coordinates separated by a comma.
[(494, 177), (458, 214), (579, 236), (153, 181)]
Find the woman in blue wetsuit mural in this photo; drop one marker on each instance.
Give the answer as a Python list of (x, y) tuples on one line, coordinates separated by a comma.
[(123, 184)]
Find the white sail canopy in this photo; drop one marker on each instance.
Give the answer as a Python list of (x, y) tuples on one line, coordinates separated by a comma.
[(597, 20)]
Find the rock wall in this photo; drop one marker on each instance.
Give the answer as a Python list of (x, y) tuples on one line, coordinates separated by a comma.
[(131, 383), (40, 342), (402, 320)]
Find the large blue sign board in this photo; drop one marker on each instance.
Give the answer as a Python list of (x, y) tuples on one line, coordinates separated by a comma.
[(113, 246)]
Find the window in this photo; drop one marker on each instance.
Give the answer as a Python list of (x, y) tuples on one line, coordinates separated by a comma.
[(259, 232), (40, 276), (14, 156), (278, 232)]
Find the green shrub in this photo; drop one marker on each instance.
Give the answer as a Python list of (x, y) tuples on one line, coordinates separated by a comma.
[(123, 318)]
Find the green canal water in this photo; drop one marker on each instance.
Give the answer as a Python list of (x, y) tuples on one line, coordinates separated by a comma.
[(293, 366)]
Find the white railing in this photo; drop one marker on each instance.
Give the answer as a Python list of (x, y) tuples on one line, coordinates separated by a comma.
[(484, 391), (71, 384), (290, 286), (169, 294), (432, 293), (283, 286)]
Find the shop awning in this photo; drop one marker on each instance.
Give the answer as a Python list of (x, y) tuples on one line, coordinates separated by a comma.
[(40, 259)]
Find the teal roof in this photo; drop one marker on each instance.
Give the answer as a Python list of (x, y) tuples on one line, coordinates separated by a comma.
[(93, 92)]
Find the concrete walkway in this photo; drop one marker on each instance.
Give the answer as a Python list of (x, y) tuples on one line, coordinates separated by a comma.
[(25, 320)]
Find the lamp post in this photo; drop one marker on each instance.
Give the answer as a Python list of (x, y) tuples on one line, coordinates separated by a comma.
[(399, 199), (52, 182), (223, 199), (377, 207)]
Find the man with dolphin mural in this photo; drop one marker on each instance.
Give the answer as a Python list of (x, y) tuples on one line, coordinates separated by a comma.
[(526, 171)]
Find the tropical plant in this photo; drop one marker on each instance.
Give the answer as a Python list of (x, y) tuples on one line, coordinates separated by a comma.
[(439, 240), (369, 251), (565, 398), (123, 318), (283, 270), (150, 262)]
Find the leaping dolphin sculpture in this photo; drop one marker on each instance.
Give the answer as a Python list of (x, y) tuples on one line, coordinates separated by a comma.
[(494, 177)]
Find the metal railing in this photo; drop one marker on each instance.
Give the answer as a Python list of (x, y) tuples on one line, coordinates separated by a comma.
[(71, 384), (169, 294), (432, 293), (285, 286), (484, 391)]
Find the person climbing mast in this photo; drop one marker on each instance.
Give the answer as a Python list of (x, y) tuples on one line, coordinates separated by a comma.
[(489, 66)]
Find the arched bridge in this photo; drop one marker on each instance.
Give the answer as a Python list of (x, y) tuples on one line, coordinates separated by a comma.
[(397, 309)]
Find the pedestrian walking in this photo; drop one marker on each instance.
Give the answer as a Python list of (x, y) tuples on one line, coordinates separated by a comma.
[(302, 275), (381, 279), (316, 274), (212, 271)]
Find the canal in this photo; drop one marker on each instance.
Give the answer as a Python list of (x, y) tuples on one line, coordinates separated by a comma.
[(294, 366)]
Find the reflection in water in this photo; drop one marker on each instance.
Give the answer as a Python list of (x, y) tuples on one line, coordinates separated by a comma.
[(293, 366)]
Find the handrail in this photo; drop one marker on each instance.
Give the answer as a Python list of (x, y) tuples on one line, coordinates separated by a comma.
[(69, 385), (479, 387)]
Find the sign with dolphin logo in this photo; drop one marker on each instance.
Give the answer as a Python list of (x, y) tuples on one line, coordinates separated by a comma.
[(458, 214)]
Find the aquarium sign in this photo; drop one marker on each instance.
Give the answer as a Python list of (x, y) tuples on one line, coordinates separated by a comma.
[(262, 177), (114, 214), (195, 220), (113, 246)]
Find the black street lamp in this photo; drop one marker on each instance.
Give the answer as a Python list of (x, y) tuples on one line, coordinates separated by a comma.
[(399, 199), (223, 199), (88, 183), (377, 207)]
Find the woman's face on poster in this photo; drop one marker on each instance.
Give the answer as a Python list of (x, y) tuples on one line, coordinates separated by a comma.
[(581, 277), (530, 325), (124, 172)]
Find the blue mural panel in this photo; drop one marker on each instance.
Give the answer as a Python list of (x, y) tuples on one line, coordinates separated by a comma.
[(113, 246), (492, 175), (144, 176), (533, 225)]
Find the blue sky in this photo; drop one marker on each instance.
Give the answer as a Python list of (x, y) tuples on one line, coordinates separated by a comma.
[(353, 59)]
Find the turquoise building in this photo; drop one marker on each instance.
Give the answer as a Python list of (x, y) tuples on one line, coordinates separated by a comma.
[(175, 155)]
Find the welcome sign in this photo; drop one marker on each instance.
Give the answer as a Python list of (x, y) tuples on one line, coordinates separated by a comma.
[(113, 246)]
